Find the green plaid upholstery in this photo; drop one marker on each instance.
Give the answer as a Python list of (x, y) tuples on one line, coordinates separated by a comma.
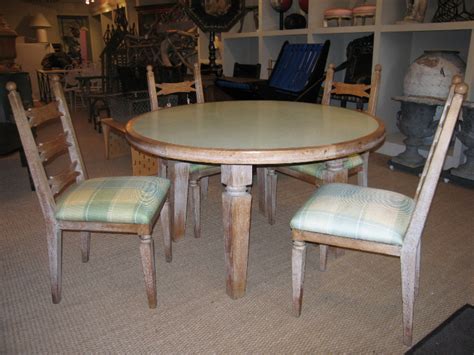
[(317, 169), (356, 212), (199, 167), (129, 199)]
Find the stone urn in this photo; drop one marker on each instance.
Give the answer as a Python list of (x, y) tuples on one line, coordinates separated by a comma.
[(466, 136), (430, 74), (426, 86)]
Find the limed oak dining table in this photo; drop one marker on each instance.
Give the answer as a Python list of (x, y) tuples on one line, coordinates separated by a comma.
[(238, 135)]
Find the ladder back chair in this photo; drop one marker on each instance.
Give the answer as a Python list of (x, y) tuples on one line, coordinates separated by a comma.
[(314, 173), (71, 201), (376, 220), (198, 173)]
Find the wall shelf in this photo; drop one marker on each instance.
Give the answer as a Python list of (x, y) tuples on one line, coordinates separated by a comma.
[(396, 46)]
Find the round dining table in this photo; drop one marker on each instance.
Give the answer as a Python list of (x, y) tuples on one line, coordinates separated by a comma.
[(239, 135)]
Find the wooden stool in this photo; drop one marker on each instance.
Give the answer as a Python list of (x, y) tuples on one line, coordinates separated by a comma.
[(338, 14), (363, 12)]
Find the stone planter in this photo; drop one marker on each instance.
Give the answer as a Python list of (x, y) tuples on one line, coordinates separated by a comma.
[(466, 136), (430, 74)]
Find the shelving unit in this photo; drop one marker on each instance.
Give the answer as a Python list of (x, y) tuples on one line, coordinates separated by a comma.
[(396, 46)]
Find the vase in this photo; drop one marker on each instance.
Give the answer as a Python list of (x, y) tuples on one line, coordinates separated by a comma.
[(303, 5), (281, 6), (430, 74)]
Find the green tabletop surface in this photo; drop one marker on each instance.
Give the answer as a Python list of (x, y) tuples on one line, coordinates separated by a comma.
[(253, 126)]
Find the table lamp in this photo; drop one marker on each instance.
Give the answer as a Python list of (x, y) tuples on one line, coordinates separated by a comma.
[(40, 23)]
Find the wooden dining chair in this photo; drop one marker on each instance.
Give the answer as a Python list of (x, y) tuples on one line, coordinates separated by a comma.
[(198, 173), (314, 173), (376, 220), (71, 201)]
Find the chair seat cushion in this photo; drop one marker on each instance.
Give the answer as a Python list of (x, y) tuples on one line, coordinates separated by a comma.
[(356, 212), (338, 12), (193, 168), (129, 199), (366, 10), (317, 169)]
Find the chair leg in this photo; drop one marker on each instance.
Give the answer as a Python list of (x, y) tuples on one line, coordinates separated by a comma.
[(362, 176), (323, 257), (165, 227), (261, 182), (54, 239), (196, 205), (271, 191), (408, 269), (417, 271), (85, 246), (147, 252), (106, 133), (204, 186), (298, 257)]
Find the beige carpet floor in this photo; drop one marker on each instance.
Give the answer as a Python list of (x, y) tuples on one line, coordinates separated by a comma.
[(353, 307)]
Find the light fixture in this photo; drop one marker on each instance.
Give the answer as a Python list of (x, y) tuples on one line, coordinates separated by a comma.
[(89, 2), (40, 23)]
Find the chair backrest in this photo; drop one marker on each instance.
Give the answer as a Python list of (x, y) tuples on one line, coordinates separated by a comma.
[(174, 88), (70, 77), (246, 70), (435, 161), (299, 66), (369, 92), (39, 154), (358, 65)]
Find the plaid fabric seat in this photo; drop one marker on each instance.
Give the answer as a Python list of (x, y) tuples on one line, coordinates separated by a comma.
[(193, 168), (129, 199), (317, 169), (356, 212)]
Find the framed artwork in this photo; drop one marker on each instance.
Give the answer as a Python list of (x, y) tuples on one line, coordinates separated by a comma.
[(159, 18), (75, 37)]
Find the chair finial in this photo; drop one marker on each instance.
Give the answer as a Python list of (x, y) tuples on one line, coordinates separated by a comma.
[(461, 88), (149, 68), (378, 68), (332, 66), (457, 79), (11, 86)]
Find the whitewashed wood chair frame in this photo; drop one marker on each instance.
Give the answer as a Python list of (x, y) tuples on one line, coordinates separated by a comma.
[(198, 180), (268, 190), (409, 251), (50, 187)]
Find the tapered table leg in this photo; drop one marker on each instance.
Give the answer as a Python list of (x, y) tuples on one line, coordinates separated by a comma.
[(179, 176), (236, 204), (335, 171)]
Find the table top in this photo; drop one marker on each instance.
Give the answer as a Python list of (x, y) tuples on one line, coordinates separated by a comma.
[(255, 132)]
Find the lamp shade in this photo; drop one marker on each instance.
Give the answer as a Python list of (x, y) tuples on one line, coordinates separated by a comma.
[(39, 21)]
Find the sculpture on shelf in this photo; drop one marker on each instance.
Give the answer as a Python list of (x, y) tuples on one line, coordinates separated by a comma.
[(281, 6), (415, 12), (304, 5), (295, 21), (452, 10), (214, 16), (426, 86)]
